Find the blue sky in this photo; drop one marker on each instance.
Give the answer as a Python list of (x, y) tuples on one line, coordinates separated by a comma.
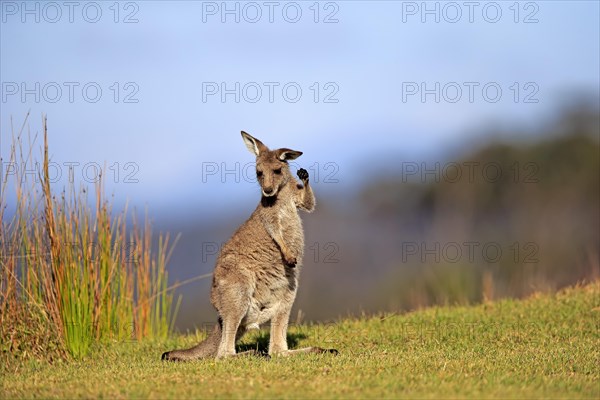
[(369, 61)]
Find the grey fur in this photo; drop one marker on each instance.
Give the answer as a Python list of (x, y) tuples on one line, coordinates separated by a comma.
[(256, 275)]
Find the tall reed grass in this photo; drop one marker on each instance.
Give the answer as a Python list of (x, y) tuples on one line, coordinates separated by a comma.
[(72, 260)]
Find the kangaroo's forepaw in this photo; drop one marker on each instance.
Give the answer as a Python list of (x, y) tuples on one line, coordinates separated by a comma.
[(303, 175), (290, 261)]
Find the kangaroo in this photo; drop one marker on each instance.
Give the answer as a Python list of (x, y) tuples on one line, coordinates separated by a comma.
[(256, 275)]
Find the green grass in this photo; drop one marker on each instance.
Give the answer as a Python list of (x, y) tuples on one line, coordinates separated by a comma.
[(71, 265), (544, 346)]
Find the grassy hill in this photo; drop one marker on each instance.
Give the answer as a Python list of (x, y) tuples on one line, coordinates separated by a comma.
[(544, 346)]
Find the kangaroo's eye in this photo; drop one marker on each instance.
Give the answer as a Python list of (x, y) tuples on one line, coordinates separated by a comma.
[(259, 173), (277, 171)]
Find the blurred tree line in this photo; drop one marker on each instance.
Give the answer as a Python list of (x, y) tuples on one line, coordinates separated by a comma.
[(508, 219)]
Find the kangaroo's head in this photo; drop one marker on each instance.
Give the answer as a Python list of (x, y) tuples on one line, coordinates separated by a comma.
[(272, 170)]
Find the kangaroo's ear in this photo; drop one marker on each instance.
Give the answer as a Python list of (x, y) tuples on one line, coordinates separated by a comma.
[(288, 154), (254, 145)]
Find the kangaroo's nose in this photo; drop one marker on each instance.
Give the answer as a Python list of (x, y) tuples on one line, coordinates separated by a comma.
[(268, 190)]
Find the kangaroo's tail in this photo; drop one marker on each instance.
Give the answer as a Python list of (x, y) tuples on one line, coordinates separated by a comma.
[(205, 349)]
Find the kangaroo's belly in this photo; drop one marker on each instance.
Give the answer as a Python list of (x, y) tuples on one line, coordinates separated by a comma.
[(274, 291)]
